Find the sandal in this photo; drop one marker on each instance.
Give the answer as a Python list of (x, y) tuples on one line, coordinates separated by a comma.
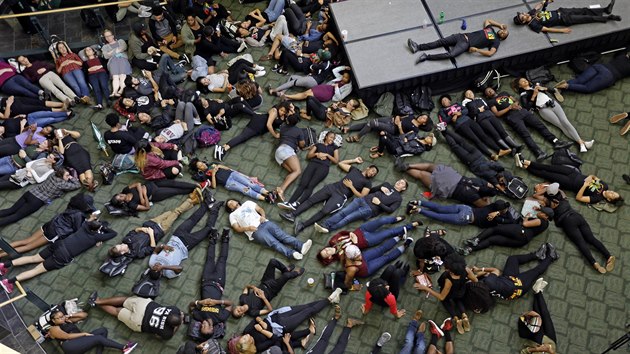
[(337, 312), (344, 130), (265, 58), (352, 138), (374, 149), (376, 155), (280, 193)]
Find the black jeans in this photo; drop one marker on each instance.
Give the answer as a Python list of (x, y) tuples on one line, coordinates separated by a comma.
[(26, 105), (214, 272), (473, 132), (291, 319), (521, 120), (528, 277), (296, 21), (314, 173), (457, 42), (272, 285), (315, 108), (240, 70), (184, 231), (322, 342), (577, 16), (84, 344), (569, 178), (385, 124), (166, 188), (579, 232), (23, 207), (288, 59), (334, 201), (507, 235), (257, 126), (6, 184)]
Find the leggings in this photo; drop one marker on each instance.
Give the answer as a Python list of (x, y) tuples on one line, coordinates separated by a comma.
[(257, 126), (214, 273), (165, 189), (508, 235), (315, 108), (595, 78), (274, 285), (457, 42), (322, 342), (184, 231), (385, 124), (579, 232), (314, 173), (333, 201), (492, 126), (373, 236), (528, 277), (26, 105), (9, 147), (521, 121), (84, 344), (6, 184), (288, 59), (473, 131), (187, 112), (296, 20), (568, 177), (240, 70), (556, 116), (394, 278), (454, 306), (376, 257), (306, 81), (291, 319), (237, 105), (23, 207), (547, 329)]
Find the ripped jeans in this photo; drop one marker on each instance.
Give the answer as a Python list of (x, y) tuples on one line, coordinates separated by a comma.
[(241, 183)]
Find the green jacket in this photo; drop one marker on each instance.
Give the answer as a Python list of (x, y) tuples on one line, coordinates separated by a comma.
[(189, 39), (135, 48)]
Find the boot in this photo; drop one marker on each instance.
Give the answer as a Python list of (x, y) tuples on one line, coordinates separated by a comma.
[(516, 148)]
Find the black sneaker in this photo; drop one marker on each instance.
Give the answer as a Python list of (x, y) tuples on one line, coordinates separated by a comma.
[(472, 241), (299, 226), (408, 242), (422, 58), (400, 164), (464, 251), (288, 217), (225, 235), (413, 46), (541, 156), (213, 235), (208, 198), (91, 301), (552, 252), (541, 253)]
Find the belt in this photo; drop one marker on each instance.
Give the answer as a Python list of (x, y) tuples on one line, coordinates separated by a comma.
[(519, 288), (15, 164)]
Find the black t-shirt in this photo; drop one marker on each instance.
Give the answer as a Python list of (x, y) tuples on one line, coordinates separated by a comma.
[(11, 126), (154, 320), (501, 102), (458, 287), (542, 19), (407, 124), (291, 135), (500, 286), (222, 176), (144, 104), (253, 302), (619, 66), (326, 149), (532, 232), (217, 313), (135, 195), (485, 38), (359, 181), (121, 142)]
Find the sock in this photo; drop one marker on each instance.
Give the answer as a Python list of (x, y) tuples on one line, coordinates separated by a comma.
[(12, 280), (397, 238), (555, 140), (434, 339), (8, 264), (447, 336), (401, 249)]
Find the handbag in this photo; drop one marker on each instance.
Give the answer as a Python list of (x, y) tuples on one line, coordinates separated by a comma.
[(334, 280)]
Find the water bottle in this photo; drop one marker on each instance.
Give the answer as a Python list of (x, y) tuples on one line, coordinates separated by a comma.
[(442, 15)]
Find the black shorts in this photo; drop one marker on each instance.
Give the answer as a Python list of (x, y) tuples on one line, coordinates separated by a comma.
[(55, 256), (49, 232), (466, 194)]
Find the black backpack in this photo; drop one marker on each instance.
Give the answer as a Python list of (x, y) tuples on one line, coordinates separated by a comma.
[(540, 75), (581, 62), (490, 78), (402, 104), (564, 157), (115, 266), (146, 286), (421, 99)]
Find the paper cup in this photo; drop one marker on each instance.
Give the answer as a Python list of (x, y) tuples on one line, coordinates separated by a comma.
[(344, 35), (310, 281)]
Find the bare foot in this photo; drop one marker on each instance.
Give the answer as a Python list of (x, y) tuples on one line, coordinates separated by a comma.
[(352, 322), (337, 312), (422, 327), (418, 315)]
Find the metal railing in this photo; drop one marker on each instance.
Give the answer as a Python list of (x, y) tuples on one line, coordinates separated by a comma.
[(67, 9)]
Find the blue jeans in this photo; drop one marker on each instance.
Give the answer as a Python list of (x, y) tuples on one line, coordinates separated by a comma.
[(374, 236), (100, 85), (167, 65), (238, 182), (274, 10), (76, 81), (44, 118), (376, 257), (273, 236), (6, 166), (457, 214), (414, 341), (595, 78), (358, 209), (18, 85)]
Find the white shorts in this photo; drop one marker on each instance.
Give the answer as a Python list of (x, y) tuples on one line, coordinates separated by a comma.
[(283, 152)]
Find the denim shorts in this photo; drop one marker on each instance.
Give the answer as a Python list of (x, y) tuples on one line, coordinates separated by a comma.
[(283, 152)]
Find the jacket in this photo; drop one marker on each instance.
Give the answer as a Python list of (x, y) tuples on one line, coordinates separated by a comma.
[(155, 164), (139, 242), (171, 23), (188, 37), (135, 48)]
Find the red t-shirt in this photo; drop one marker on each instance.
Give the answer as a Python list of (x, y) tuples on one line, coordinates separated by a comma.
[(69, 67), (95, 62), (389, 300)]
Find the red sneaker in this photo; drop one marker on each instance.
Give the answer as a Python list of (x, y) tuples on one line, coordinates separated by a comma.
[(447, 325), (435, 329), (8, 287), (3, 270)]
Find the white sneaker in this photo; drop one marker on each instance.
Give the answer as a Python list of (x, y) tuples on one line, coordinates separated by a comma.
[(518, 161), (320, 228), (258, 67), (242, 47), (539, 285), (286, 206), (297, 256), (144, 14), (306, 247), (197, 121), (589, 144), (260, 73), (385, 337), (583, 148), (335, 297)]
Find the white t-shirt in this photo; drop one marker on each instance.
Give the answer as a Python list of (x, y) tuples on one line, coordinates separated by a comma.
[(216, 81), (173, 132), (244, 216)]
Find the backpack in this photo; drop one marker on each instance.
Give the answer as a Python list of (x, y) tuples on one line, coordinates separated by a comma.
[(115, 266), (516, 188), (207, 136), (309, 136), (582, 61), (540, 75), (385, 105), (478, 297), (490, 78), (421, 99), (230, 30), (402, 104), (107, 172), (114, 211), (565, 157), (123, 162), (146, 286)]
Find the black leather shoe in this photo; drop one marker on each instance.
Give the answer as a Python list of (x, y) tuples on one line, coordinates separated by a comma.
[(413, 46)]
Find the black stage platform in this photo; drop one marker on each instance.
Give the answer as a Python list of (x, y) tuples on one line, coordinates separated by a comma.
[(377, 32)]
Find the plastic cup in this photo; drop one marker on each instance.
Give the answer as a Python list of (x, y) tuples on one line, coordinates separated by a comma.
[(310, 282), (344, 34)]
